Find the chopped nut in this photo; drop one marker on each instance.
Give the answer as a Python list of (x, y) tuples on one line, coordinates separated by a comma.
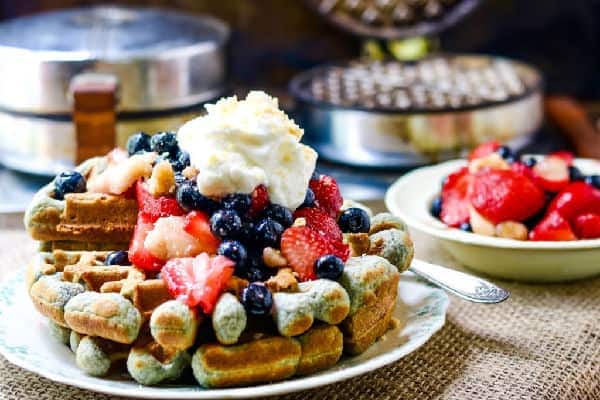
[(47, 269), (283, 281), (394, 323), (512, 230), (299, 222), (480, 224), (111, 287), (189, 172), (359, 243), (162, 181), (235, 285), (492, 161), (273, 258)]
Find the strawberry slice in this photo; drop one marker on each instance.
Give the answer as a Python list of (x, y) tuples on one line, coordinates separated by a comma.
[(566, 156), (198, 281), (587, 226), (154, 208), (302, 247), (455, 203), (576, 199), (484, 149), (551, 174), (321, 222), (505, 195), (138, 254), (197, 224), (327, 194), (552, 228), (260, 200)]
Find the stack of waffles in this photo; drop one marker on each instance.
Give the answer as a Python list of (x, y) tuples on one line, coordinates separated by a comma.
[(120, 300)]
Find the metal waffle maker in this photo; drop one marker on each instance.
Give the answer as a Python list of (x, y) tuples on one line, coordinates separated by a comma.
[(77, 82), (399, 114)]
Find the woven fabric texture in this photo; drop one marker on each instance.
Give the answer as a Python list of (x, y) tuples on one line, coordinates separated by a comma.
[(543, 343)]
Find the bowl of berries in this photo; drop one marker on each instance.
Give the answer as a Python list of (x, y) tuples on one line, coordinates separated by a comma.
[(533, 218)]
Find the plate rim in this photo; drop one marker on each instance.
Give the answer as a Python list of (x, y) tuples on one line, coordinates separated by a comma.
[(277, 388), (437, 229)]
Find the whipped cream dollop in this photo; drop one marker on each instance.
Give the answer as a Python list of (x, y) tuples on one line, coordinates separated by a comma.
[(240, 144)]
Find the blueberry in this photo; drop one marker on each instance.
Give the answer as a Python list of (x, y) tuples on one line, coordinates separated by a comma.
[(309, 199), (189, 198), (165, 142), (225, 224), (181, 160), (436, 207), (138, 143), (119, 257), (256, 271), (315, 175), (246, 234), (180, 179), (239, 202), (465, 226), (593, 180), (233, 250), (267, 232), (530, 162), (257, 299), (280, 214), (329, 267), (68, 182), (354, 220), (575, 174), (506, 153)]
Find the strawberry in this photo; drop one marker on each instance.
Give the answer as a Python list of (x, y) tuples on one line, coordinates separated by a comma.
[(551, 174), (302, 247), (505, 195), (321, 222), (484, 149), (198, 281), (552, 228), (260, 200), (455, 204), (522, 169), (587, 226), (576, 199), (198, 225), (138, 254), (327, 194), (156, 207), (566, 156)]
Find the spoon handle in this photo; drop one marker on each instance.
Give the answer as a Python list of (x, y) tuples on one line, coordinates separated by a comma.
[(463, 285)]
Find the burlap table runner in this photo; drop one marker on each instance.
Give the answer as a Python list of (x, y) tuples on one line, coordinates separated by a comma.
[(543, 343)]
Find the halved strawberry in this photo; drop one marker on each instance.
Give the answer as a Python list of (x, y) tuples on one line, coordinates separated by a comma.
[(138, 254), (552, 228), (260, 200), (576, 199), (197, 224), (321, 222), (566, 156), (198, 281), (327, 194), (455, 202), (551, 174), (484, 149), (587, 226), (154, 208), (505, 195), (302, 247)]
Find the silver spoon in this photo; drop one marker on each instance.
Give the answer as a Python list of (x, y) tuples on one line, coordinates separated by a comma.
[(463, 285)]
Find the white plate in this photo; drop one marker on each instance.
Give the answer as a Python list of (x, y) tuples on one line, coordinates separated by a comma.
[(24, 341), (410, 198)]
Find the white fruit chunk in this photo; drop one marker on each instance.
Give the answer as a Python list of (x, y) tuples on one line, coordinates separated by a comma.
[(168, 239)]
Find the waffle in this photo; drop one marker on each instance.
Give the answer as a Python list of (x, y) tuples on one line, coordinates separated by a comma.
[(116, 313), (82, 221)]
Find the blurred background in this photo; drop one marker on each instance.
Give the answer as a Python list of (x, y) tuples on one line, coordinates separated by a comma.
[(273, 39), (365, 143)]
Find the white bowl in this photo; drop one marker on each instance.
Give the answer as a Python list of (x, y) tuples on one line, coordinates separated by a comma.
[(411, 195)]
